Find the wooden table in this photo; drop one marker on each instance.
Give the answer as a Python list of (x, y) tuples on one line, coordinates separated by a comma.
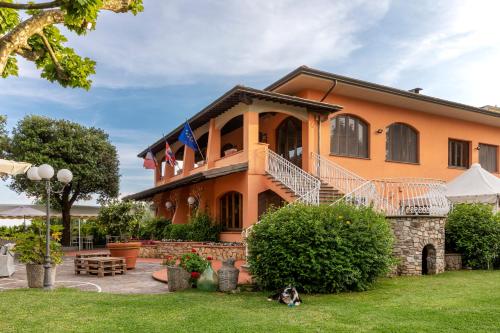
[(100, 266)]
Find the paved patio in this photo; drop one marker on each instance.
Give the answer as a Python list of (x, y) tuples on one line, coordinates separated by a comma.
[(137, 281), (149, 277)]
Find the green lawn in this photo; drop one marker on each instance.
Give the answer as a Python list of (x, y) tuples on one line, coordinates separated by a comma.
[(450, 302)]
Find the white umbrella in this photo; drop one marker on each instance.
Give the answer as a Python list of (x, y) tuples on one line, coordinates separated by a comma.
[(13, 168)]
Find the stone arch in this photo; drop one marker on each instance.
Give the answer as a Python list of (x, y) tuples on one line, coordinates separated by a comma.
[(429, 256)]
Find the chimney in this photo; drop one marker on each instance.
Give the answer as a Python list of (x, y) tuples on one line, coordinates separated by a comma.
[(415, 90)]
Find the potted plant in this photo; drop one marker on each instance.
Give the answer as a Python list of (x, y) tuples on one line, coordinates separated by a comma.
[(194, 264), (123, 219), (186, 271), (177, 277), (30, 247)]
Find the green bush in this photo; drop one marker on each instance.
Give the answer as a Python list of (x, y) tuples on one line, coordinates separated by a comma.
[(203, 228), (320, 249), (157, 228), (180, 232), (30, 245), (474, 231)]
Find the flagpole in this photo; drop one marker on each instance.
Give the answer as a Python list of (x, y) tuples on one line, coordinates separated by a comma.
[(196, 141), (166, 142)]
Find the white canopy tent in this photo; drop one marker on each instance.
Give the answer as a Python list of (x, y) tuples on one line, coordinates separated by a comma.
[(475, 185)]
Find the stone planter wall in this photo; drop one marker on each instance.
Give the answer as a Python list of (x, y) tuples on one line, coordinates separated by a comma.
[(453, 261), (412, 234), (218, 252)]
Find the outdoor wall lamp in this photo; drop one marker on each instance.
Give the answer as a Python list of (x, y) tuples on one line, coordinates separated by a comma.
[(380, 131), (46, 172), (169, 205), (191, 200)]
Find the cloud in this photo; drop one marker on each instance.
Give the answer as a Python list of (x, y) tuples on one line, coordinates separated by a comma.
[(456, 32), (177, 41)]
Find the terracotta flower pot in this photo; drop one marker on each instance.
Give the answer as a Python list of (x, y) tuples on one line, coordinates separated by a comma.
[(129, 251), (35, 275)]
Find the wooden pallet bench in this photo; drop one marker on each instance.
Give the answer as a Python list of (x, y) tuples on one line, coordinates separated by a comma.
[(100, 266)]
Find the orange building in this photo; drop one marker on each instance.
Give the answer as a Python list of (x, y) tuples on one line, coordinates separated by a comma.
[(314, 136)]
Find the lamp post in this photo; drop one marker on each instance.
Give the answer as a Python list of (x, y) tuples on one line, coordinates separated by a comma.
[(46, 172)]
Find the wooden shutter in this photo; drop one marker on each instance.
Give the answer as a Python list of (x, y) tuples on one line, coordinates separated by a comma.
[(488, 157)]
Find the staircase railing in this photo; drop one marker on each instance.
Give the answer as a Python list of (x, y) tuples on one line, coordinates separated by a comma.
[(303, 184), (335, 175), (405, 196)]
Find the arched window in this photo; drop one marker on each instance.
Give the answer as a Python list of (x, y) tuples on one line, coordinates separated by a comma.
[(401, 143), (231, 211), (349, 136)]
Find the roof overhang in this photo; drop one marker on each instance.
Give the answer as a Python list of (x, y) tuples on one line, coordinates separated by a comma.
[(241, 94), (309, 78), (189, 180)]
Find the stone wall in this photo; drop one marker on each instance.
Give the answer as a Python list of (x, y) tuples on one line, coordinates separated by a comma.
[(412, 234), (453, 261), (214, 250)]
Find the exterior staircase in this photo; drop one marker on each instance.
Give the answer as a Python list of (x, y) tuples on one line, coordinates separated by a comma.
[(328, 194)]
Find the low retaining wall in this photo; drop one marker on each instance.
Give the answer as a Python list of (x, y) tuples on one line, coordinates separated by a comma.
[(413, 234), (214, 250), (453, 261)]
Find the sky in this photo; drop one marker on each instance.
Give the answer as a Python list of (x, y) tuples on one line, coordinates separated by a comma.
[(160, 67)]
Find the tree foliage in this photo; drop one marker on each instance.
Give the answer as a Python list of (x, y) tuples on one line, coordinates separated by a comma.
[(123, 218), (320, 249), (86, 151), (29, 30), (474, 231)]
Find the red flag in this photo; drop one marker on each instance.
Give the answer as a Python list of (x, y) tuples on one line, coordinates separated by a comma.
[(169, 155), (149, 161)]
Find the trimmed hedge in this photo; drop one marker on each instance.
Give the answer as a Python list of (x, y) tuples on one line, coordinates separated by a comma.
[(201, 228), (320, 249), (474, 231)]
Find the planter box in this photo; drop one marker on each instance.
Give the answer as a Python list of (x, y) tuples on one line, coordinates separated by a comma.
[(35, 274), (177, 278)]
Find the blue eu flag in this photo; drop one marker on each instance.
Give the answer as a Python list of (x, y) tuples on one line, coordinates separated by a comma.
[(187, 137)]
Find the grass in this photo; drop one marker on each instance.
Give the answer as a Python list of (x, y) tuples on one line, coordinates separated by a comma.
[(467, 301)]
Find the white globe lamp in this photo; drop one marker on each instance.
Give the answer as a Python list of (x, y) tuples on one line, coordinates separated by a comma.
[(169, 205), (33, 174), (64, 176), (191, 200), (45, 171)]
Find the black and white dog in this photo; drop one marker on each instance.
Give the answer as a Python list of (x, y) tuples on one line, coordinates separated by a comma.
[(288, 296)]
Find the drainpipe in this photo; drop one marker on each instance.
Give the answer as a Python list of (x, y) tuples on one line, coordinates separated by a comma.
[(318, 119)]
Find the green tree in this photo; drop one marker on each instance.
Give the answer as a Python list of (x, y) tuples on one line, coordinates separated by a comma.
[(37, 39), (86, 151), (474, 231), (4, 138), (123, 218)]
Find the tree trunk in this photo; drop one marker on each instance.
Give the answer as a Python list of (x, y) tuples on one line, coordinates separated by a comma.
[(66, 221)]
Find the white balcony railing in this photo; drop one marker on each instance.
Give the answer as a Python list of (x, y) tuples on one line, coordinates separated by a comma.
[(335, 175), (399, 197)]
